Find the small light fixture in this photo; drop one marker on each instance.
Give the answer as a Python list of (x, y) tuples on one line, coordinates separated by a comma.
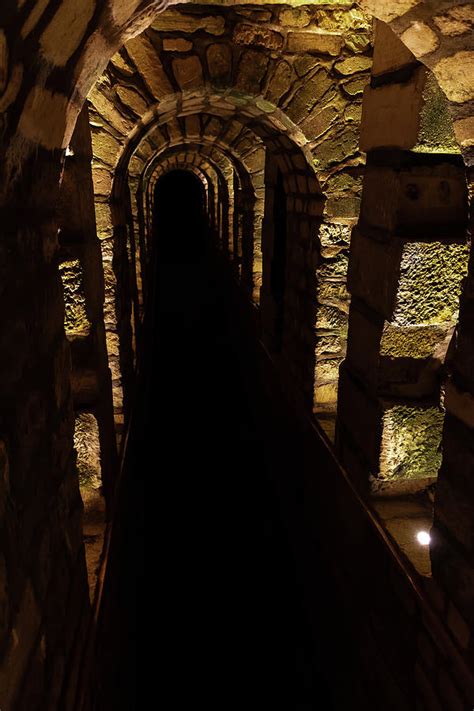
[(69, 152), (423, 538)]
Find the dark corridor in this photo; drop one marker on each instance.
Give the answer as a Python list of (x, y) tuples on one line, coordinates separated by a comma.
[(224, 623)]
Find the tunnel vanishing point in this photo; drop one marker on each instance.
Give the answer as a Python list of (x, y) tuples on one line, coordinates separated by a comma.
[(291, 181)]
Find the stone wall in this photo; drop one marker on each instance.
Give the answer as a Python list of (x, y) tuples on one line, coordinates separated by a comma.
[(300, 71)]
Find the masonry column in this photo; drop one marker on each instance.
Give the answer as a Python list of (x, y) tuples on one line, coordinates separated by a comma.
[(408, 255), (83, 284)]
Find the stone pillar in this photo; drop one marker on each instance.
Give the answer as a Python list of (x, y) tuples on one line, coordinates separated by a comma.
[(408, 256), (83, 284), (43, 583)]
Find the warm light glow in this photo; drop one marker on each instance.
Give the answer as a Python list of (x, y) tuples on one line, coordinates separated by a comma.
[(423, 538)]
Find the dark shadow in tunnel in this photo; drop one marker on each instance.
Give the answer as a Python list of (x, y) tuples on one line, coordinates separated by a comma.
[(224, 615), (180, 218)]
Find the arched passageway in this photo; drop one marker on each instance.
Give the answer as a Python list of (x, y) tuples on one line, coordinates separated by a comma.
[(180, 224), (229, 608)]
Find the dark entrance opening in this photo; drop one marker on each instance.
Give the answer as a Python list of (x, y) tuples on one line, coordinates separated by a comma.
[(181, 226)]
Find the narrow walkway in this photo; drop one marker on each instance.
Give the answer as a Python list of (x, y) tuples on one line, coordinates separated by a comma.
[(220, 615)]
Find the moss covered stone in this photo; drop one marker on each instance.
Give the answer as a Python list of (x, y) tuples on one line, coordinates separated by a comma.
[(411, 442)]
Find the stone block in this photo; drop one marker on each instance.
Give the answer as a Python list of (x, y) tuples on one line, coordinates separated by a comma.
[(391, 114), (251, 71), (177, 44), (411, 442), (219, 62), (455, 21), (374, 271), (410, 197), (174, 21), (144, 56), (314, 43), (420, 39), (257, 36), (455, 75)]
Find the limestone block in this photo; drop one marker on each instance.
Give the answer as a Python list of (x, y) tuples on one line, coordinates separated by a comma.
[(120, 63), (70, 24), (122, 10), (414, 341), (219, 61), (358, 42), (456, 76), (390, 54), (336, 149), (430, 283), (325, 395), (355, 86), (319, 120), (388, 10), (103, 217), (109, 112), (412, 197), (188, 72), (420, 39), (309, 94), (464, 131), (251, 71), (102, 180), (132, 100), (87, 445), (143, 54), (256, 35), (391, 114), (338, 20), (105, 147), (352, 65), (178, 44), (76, 322), (411, 442), (456, 20), (171, 21), (295, 17), (314, 43)]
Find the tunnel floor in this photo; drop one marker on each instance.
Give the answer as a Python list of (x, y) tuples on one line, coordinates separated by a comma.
[(213, 612)]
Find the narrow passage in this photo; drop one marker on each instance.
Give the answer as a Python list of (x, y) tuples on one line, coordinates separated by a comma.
[(224, 623)]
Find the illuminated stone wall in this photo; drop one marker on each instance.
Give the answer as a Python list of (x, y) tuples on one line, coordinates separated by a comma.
[(409, 254), (303, 68)]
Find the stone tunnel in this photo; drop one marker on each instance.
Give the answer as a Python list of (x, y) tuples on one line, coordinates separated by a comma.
[(237, 283)]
